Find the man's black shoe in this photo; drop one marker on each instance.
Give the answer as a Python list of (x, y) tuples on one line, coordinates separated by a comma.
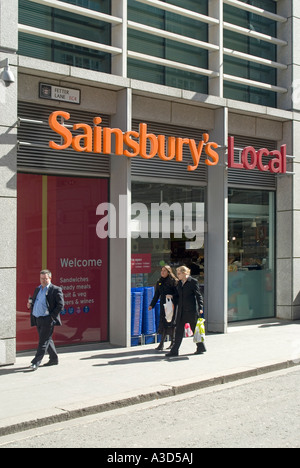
[(171, 354), (51, 363)]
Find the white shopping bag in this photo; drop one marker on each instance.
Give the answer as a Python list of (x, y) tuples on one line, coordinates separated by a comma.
[(169, 310)]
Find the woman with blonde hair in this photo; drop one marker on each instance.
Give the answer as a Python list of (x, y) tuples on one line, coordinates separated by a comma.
[(166, 287), (190, 306)]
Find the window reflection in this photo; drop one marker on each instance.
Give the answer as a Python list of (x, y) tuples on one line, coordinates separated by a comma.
[(176, 239), (251, 255)]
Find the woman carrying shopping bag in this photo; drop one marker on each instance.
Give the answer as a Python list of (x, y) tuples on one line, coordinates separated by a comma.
[(166, 290), (190, 308)]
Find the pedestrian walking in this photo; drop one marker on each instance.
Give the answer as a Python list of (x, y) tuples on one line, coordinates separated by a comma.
[(46, 305), (190, 307), (166, 288)]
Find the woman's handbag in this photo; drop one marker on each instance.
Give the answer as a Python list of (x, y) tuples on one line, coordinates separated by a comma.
[(169, 310), (199, 335)]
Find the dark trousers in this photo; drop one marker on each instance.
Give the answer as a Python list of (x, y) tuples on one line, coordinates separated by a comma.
[(192, 320), (45, 328)]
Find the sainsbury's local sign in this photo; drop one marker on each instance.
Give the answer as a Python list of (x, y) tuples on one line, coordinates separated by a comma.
[(99, 140)]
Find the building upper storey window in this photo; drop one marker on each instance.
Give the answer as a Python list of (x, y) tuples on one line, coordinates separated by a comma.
[(154, 55), (254, 46), (59, 22), (229, 48)]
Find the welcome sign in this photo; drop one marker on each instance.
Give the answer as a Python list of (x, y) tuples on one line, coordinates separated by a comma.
[(57, 222), (99, 140)]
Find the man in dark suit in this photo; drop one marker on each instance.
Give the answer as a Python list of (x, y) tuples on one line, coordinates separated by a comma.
[(46, 306), (190, 306)]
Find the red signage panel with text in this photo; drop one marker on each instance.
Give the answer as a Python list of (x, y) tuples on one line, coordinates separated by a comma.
[(57, 229), (141, 263)]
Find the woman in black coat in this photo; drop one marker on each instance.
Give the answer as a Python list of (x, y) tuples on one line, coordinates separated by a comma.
[(166, 287), (190, 306)]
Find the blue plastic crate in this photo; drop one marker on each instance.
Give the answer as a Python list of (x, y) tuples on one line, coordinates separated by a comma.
[(136, 313), (149, 323), (149, 339), (135, 340), (141, 290)]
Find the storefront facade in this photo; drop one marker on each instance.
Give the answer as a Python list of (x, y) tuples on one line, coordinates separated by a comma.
[(232, 220)]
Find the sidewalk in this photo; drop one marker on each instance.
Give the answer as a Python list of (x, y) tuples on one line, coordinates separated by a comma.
[(99, 378)]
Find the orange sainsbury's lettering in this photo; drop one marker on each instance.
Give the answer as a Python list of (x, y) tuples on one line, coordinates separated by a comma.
[(97, 135), (144, 137), (104, 140), (196, 153), (212, 154), (162, 148), (60, 129), (132, 144), (86, 138)]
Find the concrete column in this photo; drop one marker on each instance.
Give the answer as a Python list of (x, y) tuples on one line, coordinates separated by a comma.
[(289, 32), (288, 199), (284, 236), (216, 262), (288, 229), (120, 248), (295, 311), (119, 38), (8, 181), (216, 58)]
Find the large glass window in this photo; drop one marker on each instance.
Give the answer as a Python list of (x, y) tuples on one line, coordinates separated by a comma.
[(167, 228), (251, 243), (59, 21), (167, 49), (246, 69)]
